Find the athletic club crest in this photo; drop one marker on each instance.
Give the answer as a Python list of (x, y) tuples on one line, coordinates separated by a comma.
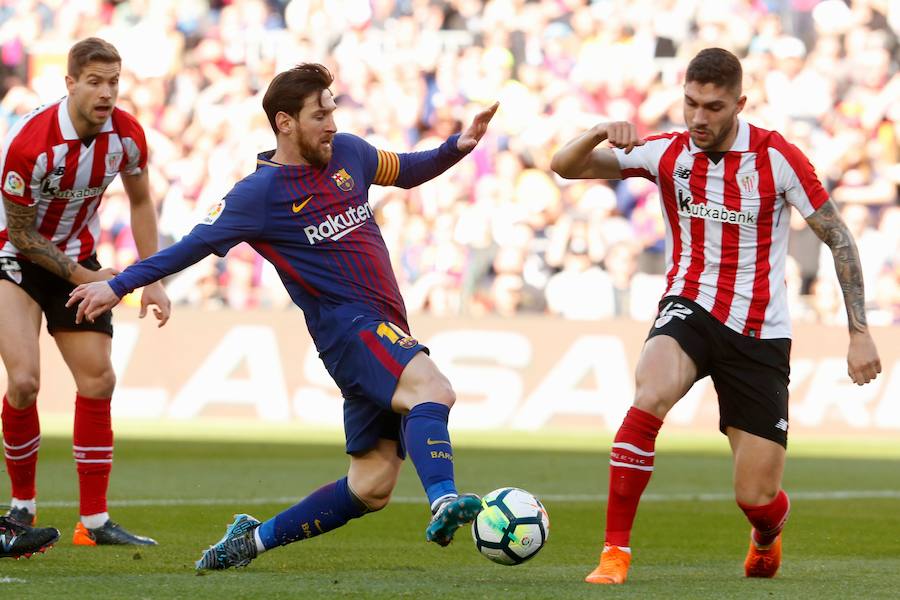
[(749, 182), (343, 180), (113, 160)]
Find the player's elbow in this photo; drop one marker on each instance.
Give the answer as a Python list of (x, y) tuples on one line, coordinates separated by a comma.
[(559, 166), (568, 170)]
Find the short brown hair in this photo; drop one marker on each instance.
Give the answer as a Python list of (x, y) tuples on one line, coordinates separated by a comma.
[(716, 66), (90, 50), (289, 90)]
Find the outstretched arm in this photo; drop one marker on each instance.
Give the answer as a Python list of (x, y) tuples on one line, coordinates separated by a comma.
[(581, 159), (96, 298), (862, 357)]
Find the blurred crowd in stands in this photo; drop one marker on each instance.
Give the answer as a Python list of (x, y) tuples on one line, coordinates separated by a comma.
[(499, 233)]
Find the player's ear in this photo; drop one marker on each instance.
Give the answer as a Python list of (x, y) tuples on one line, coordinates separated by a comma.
[(284, 122)]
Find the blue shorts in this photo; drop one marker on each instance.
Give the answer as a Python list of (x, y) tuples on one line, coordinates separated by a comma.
[(367, 370)]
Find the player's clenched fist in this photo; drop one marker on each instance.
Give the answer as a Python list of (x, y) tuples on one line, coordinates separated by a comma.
[(622, 134)]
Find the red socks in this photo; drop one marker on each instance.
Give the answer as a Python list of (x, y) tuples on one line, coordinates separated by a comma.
[(21, 440), (92, 447), (631, 464), (768, 519)]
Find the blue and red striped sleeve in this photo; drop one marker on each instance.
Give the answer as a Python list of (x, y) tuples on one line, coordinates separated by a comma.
[(240, 216), (408, 169)]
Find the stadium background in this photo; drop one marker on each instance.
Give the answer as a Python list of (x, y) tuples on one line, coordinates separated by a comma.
[(534, 293), (499, 236)]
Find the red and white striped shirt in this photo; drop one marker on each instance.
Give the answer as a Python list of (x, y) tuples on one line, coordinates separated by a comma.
[(727, 223), (44, 163)]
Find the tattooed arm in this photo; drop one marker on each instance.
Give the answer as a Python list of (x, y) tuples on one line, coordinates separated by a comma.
[(862, 358), (830, 227), (41, 251)]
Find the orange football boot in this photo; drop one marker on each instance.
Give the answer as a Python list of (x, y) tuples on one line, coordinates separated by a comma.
[(613, 567), (763, 562), (82, 537)]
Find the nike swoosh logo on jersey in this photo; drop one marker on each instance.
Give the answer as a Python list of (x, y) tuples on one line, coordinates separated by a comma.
[(298, 207), (432, 442)]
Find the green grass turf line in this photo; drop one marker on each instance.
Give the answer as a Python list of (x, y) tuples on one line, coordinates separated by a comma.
[(218, 430), (833, 548)]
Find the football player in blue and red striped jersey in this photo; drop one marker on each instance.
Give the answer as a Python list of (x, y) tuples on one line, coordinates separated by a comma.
[(305, 210)]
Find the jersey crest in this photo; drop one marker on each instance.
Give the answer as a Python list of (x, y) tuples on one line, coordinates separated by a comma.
[(749, 182), (343, 180), (113, 161)]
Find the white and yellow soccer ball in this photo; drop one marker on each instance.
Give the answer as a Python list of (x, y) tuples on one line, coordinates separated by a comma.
[(512, 526)]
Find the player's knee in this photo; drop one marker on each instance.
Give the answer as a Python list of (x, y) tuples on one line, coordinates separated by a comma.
[(649, 399), (375, 494), (375, 502), (755, 493), (98, 385), (22, 389), (440, 391)]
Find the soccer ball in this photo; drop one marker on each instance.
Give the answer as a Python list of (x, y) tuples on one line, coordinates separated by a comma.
[(512, 526)]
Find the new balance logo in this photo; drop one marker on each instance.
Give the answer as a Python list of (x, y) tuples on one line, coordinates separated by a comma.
[(673, 309), (682, 172), (781, 424)]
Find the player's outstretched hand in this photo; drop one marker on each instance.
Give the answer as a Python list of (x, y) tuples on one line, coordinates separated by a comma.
[(155, 295), (863, 364), (93, 300), (622, 134), (471, 136)]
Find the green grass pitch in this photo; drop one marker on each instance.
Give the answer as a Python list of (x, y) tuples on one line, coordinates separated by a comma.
[(843, 539)]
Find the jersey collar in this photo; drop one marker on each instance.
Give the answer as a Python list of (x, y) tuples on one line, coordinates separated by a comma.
[(67, 128), (741, 142), (264, 159)]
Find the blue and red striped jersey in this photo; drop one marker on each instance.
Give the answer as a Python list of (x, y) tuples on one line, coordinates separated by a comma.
[(316, 228)]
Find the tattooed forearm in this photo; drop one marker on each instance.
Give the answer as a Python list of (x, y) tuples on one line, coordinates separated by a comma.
[(828, 225), (36, 248)]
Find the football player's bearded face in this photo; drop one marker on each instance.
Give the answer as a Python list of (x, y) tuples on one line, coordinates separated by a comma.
[(93, 94), (710, 113), (315, 129)]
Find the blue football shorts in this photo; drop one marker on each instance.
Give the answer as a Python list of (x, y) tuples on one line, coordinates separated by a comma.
[(366, 369)]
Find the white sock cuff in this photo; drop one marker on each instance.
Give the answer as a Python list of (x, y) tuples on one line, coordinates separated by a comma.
[(28, 504), (441, 500), (95, 521), (260, 548)]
